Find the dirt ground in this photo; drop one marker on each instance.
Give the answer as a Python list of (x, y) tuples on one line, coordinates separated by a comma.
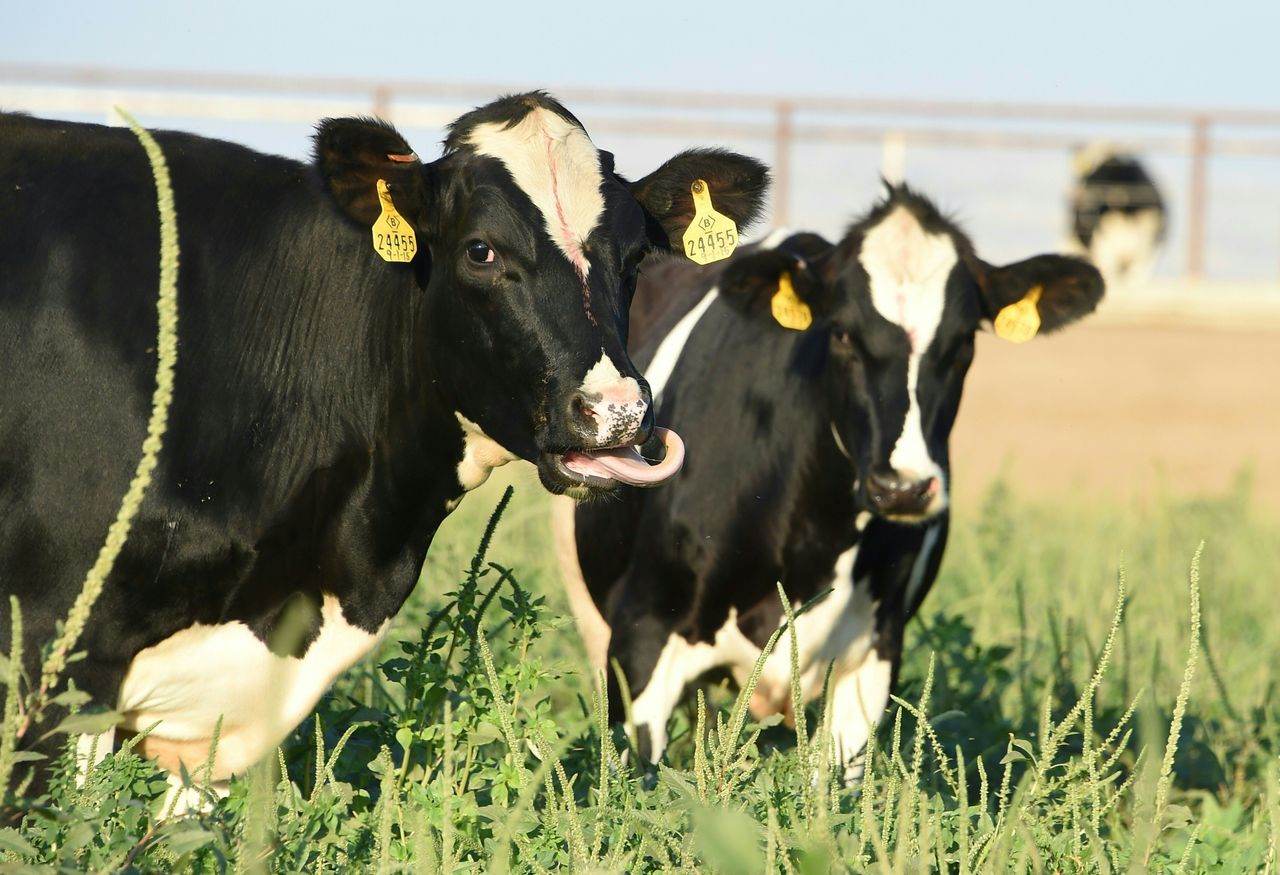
[(1117, 409)]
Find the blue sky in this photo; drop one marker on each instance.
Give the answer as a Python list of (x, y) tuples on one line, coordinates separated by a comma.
[(1118, 53)]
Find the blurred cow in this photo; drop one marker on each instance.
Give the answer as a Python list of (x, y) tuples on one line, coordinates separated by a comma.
[(1118, 217)]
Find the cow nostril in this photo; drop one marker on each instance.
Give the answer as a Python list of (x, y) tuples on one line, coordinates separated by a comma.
[(582, 407)]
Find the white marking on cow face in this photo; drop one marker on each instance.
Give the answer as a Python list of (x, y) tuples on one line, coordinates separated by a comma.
[(480, 455), (908, 269), (616, 405), (668, 353), (555, 163), (202, 673)]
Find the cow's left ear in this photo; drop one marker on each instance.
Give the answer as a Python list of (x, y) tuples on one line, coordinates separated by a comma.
[(737, 186), (774, 285), (352, 154), (1055, 289)]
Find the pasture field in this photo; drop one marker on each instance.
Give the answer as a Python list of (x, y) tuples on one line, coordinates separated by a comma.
[(1033, 733)]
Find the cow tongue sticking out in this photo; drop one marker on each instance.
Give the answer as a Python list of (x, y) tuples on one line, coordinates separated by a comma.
[(626, 465)]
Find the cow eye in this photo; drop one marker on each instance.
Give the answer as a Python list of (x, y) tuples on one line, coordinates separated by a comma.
[(479, 252)]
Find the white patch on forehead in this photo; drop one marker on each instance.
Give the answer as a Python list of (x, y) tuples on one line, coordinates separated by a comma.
[(555, 163), (668, 354), (908, 269)]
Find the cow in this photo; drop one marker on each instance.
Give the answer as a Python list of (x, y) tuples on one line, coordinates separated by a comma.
[(330, 407), (816, 385), (1118, 218)]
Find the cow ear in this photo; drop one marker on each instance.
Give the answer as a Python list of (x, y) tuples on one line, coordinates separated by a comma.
[(737, 186), (1056, 290), (352, 154), (777, 286)]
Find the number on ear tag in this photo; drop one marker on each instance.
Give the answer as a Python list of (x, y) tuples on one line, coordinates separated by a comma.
[(1020, 321), (711, 236), (393, 236), (788, 309)]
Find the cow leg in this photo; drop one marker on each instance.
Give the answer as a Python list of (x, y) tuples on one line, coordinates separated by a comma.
[(591, 623), (858, 700)]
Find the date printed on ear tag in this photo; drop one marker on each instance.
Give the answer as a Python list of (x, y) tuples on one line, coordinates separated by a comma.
[(393, 236), (788, 310), (1020, 321), (711, 236)]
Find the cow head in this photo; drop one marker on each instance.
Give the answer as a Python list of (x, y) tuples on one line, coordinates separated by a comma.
[(528, 248), (895, 306)]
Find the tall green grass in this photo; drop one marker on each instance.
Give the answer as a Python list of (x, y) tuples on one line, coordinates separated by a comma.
[(1087, 689)]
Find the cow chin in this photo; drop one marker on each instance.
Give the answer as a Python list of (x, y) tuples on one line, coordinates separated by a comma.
[(559, 480)]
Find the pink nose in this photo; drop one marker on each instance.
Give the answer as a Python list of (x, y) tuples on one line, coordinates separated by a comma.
[(610, 418)]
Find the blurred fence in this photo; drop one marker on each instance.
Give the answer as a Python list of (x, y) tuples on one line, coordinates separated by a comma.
[(1004, 169)]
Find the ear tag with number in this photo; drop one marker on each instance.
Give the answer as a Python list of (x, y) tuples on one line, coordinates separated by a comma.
[(788, 309), (1019, 322), (393, 236), (711, 236)]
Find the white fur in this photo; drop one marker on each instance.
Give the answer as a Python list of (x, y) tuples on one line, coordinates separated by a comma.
[(555, 163), (908, 270), (1124, 245), (668, 353), (621, 406), (480, 455), (592, 625), (203, 673), (858, 700), (927, 548)]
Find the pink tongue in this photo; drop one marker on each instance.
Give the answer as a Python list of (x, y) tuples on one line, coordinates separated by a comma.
[(626, 465)]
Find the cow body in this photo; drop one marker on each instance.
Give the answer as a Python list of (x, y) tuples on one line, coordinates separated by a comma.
[(1118, 217), (817, 459), (329, 410)]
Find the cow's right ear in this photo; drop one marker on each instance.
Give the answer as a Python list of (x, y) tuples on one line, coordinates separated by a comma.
[(777, 286), (352, 154), (737, 186)]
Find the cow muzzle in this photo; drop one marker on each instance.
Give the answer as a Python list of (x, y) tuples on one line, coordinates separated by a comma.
[(905, 496)]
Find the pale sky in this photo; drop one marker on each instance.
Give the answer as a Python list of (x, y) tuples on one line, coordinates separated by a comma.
[(1172, 54)]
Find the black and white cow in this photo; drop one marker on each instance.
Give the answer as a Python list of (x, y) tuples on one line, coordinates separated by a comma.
[(817, 458), (1118, 218), (330, 408)]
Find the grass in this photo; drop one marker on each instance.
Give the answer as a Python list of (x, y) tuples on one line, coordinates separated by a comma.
[(1087, 689)]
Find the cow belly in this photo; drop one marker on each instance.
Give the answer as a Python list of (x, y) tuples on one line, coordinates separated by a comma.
[(184, 684)]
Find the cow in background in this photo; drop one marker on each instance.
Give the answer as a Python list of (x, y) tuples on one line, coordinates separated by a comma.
[(816, 385), (330, 408), (1118, 218)]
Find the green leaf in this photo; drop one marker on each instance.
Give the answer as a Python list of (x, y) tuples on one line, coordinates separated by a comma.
[(87, 723), (11, 841), (188, 840)]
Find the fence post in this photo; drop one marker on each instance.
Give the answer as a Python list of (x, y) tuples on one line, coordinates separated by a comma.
[(782, 163), (1197, 202), (382, 102)]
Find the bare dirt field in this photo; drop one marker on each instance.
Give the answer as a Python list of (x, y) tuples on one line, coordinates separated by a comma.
[(1111, 407)]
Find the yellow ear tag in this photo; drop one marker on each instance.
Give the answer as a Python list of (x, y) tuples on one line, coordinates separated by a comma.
[(711, 236), (1019, 322), (788, 309), (393, 236)]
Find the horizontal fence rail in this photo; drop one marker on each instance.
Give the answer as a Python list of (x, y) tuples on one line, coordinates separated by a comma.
[(1196, 136)]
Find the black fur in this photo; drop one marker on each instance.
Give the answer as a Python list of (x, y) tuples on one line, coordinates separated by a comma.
[(314, 438)]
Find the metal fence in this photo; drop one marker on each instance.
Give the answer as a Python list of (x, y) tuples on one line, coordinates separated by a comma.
[(1004, 168)]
